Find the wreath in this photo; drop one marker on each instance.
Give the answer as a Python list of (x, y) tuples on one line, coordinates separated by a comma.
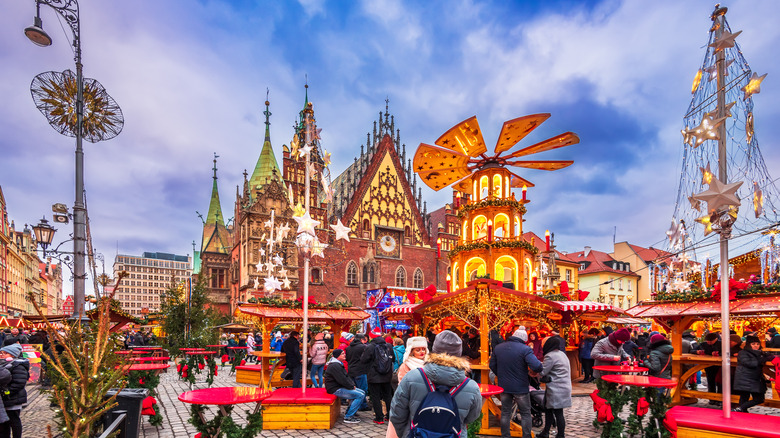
[(187, 368), (227, 427)]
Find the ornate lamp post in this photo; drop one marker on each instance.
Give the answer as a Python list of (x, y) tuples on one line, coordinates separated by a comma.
[(69, 10), (44, 233)]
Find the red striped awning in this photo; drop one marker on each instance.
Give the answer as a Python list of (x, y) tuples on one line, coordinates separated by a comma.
[(401, 308), (583, 306)]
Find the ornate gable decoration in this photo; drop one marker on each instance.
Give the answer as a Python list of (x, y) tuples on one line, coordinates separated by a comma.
[(385, 199)]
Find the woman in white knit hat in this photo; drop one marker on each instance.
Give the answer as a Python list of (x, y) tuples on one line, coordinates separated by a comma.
[(414, 356)]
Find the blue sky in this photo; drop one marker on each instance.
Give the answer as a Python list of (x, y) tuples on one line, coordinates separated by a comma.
[(191, 79)]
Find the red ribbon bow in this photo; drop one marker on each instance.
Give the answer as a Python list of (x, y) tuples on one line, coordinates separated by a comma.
[(215, 369), (605, 414), (642, 406), (225, 358), (598, 402), (200, 366)]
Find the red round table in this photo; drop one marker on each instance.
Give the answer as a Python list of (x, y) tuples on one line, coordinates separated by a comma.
[(620, 369), (144, 367), (489, 390), (191, 349), (128, 352), (237, 348), (642, 381), (203, 352), (224, 397), (148, 359)]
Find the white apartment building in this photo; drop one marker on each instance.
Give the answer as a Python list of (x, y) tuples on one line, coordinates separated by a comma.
[(149, 275)]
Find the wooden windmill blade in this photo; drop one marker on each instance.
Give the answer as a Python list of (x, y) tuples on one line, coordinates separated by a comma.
[(441, 178), (516, 129), (428, 157), (541, 165), (517, 181), (565, 139), (464, 138)]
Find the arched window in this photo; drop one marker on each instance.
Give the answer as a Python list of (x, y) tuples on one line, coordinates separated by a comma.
[(418, 279), (400, 277), (352, 274), (315, 276), (368, 273)]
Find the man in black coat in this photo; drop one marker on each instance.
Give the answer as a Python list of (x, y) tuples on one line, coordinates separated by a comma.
[(711, 347), (379, 382), (15, 393), (337, 382), (773, 340), (355, 369), (292, 350)]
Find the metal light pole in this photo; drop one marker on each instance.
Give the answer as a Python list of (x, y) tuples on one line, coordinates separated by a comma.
[(69, 10)]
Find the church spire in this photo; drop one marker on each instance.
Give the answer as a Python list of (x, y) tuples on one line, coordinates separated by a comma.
[(215, 209), (216, 237), (267, 168)]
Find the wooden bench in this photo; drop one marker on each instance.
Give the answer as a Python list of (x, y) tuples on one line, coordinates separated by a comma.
[(693, 422), (287, 408), (253, 375)]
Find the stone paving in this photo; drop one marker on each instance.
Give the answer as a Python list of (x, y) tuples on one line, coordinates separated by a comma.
[(38, 414)]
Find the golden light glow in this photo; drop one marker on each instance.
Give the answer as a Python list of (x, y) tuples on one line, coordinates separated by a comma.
[(547, 233), (696, 81)]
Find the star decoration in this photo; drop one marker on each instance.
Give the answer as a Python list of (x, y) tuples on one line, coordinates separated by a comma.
[(306, 150), (758, 200), (696, 81), (706, 174), (318, 248), (342, 231), (329, 194), (281, 232), (713, 70), (726, 40), (283, 272), (257, 283), (719, 195), (298, 210), (303, 241), (272, 284), (269, 265), (326, 157), (324, 181), (726, 111), (286, 283), (695, 203), (312, 170), (268, 223), (278, 260), (688, 136), (706, 130), (754, 86), (707, 222), (262, 251), (306, 224), (675, 233), (270, 241), (749, 127), (294, 145)]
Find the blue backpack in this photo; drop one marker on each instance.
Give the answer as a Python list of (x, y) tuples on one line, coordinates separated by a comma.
[(437, 416)]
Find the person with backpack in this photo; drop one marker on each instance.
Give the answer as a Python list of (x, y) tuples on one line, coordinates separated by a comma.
[(318, 352), (355, 368), (556, 375), (437, 399), (510, 362), (378, 358), (659, 357)]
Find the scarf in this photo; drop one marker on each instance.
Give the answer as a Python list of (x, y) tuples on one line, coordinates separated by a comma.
[(413, 363)]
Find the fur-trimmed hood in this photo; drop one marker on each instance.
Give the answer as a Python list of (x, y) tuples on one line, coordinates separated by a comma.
[(449, 361)]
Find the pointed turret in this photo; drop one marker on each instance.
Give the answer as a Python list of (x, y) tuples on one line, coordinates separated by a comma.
[(216, 237), (266, 169)]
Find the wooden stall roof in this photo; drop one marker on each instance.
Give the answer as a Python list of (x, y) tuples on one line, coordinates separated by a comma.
[(756, 304), (234, 327), (317, 314)]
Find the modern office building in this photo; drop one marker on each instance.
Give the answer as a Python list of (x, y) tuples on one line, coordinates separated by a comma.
[(148, 276)]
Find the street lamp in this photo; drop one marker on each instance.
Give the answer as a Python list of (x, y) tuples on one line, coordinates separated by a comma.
[(44, 233), (69, 10)]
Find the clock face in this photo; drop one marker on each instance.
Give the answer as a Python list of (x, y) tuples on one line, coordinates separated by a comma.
[(387, 243)]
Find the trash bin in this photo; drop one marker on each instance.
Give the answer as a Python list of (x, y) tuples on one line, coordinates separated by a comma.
[(130, 400)]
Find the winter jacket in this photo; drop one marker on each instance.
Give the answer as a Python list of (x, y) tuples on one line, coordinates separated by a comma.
[(318, 352), (292, 350), (399, 351), (586, 345), (556, 367), (5, 379), (368, 358), (631, 349), (335, 377), (749, 376), (15, 392), (659, 359), (276, 344), (709, 349), (774, 342), (689, 345), (604, 353), (510, 362), (354, 352), (441, 369)]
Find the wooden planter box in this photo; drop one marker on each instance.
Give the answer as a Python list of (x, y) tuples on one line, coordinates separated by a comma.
[(288, 409)]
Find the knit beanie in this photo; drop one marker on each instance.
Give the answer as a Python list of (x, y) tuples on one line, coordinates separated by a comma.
[(521, 333), (657, 337), (621, 335), (711, 337), (736, 338), (415, 342), (448, 342), (748, 340), (14, 350), (337, 352)]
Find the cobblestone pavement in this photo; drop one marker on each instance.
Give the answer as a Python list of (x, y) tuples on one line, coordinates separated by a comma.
[(38, 414)]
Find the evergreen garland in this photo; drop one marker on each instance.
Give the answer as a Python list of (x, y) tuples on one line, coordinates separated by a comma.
[(473, 428), (227, 427), (149, 380), (697, 293), (521, 244), (298, 304), (634, 422), (617, 400), (491, 203), (193, 365), (659, 404)]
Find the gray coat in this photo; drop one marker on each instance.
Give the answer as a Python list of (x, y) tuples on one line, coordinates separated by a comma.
[(604, 352), (441, 369), (557, 394)]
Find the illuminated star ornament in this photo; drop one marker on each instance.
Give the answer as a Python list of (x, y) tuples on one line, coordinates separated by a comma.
[(286, 283), (726, 111), (754, 86), (695, 203), (696, 81), (706, 174), (687, 136), (298, 210), (306, 224), (719, 195), (257, 283), (272, 284), (318, 248), (726, 40), (675, 232), (713, 70), (281, 232), (342, 231), (758, 200), (326, 157), (306, 150), (278, 260), (706, 130)]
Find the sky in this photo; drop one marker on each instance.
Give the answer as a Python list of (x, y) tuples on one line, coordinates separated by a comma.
[(191, 79)]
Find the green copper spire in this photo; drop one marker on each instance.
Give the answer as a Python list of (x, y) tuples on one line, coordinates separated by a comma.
[(215, 209), (266, 168)]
